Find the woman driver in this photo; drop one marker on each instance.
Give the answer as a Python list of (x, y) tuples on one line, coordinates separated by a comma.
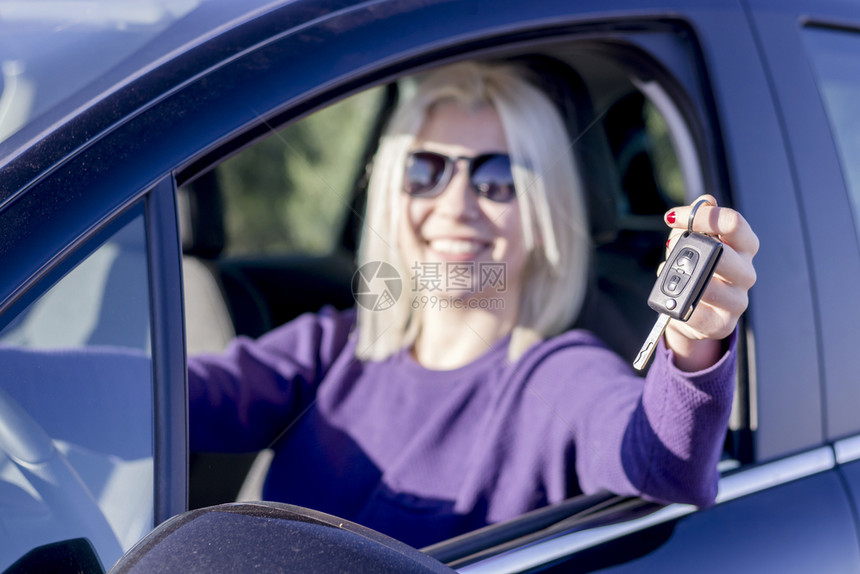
[(432, 416)]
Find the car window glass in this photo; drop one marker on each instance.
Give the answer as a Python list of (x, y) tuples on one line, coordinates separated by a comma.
[(835, 59), (76, 400)]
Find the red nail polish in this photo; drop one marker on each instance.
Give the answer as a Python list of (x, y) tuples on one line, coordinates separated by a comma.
[(671, 217), (668, 241)]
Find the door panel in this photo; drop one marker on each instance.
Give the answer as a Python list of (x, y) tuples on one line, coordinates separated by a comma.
[(803, 526), (805, 62), (784, 378), (851, 474)]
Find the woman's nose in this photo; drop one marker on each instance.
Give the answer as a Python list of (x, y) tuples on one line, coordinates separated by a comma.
[(457, 200)]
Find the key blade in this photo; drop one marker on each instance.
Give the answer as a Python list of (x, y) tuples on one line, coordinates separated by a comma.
[(651, 342)]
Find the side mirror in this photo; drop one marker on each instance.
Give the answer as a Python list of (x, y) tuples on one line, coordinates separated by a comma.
[(269, 537)]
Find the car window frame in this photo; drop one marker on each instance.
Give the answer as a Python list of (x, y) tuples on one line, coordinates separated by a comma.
[(694, 108)]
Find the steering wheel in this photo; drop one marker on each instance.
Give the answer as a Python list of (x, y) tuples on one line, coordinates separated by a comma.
[(48, 471)]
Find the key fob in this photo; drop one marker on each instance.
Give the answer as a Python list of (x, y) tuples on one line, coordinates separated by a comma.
[(685, 275)]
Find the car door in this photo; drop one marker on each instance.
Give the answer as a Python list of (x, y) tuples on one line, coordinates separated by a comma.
[(818, 103), (777, 510)]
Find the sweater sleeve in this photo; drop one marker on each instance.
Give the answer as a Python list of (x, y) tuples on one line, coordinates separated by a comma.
[(675, 437), (239, 401), (659, 438)]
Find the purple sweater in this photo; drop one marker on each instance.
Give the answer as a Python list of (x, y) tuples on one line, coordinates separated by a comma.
[(423, 455)]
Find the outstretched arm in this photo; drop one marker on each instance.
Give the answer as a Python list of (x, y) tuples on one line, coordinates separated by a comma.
[(659, 438)]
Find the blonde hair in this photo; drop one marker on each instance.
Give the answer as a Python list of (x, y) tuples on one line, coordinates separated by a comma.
[(548, 188)]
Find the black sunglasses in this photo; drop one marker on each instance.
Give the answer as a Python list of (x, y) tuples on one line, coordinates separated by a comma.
[(429, 173)]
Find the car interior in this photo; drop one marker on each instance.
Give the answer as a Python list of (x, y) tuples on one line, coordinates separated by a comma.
[(637, 151)]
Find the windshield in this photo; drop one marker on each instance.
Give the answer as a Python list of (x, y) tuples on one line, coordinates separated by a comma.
[(57, 55)]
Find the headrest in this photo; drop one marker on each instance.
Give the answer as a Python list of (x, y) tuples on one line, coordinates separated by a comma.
[(568, 91)]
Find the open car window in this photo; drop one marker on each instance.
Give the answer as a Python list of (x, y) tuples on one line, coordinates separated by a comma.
[(269, 226), (293, 191)]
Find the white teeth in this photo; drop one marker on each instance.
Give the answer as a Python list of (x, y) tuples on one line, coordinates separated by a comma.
[(456, 246)]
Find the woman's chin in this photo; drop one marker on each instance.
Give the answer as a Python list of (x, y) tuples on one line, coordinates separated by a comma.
[(465, 257)]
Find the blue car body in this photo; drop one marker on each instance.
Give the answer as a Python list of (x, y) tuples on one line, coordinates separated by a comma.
[(763, 86)]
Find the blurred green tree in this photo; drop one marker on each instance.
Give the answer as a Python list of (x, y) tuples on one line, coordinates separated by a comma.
[(290, 192)]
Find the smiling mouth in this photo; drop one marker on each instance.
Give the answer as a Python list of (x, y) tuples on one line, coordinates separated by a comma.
[(457, 246)]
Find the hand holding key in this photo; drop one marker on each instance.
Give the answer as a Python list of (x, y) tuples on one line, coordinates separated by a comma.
[(696, 342)]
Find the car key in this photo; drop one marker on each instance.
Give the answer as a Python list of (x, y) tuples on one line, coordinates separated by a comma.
[(680, 285)]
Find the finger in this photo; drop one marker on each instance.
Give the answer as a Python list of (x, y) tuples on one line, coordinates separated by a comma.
[(707, 322), (731, 227), (672, 240), (723, 222), (725, 297), (735, 268), (677, 229), (717, 314), (679, 217)]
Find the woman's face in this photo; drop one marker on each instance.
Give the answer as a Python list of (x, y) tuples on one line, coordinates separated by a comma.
[(445, 236)]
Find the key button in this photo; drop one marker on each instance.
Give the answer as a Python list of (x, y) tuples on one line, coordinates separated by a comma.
[(686, 261), (675, 283)]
